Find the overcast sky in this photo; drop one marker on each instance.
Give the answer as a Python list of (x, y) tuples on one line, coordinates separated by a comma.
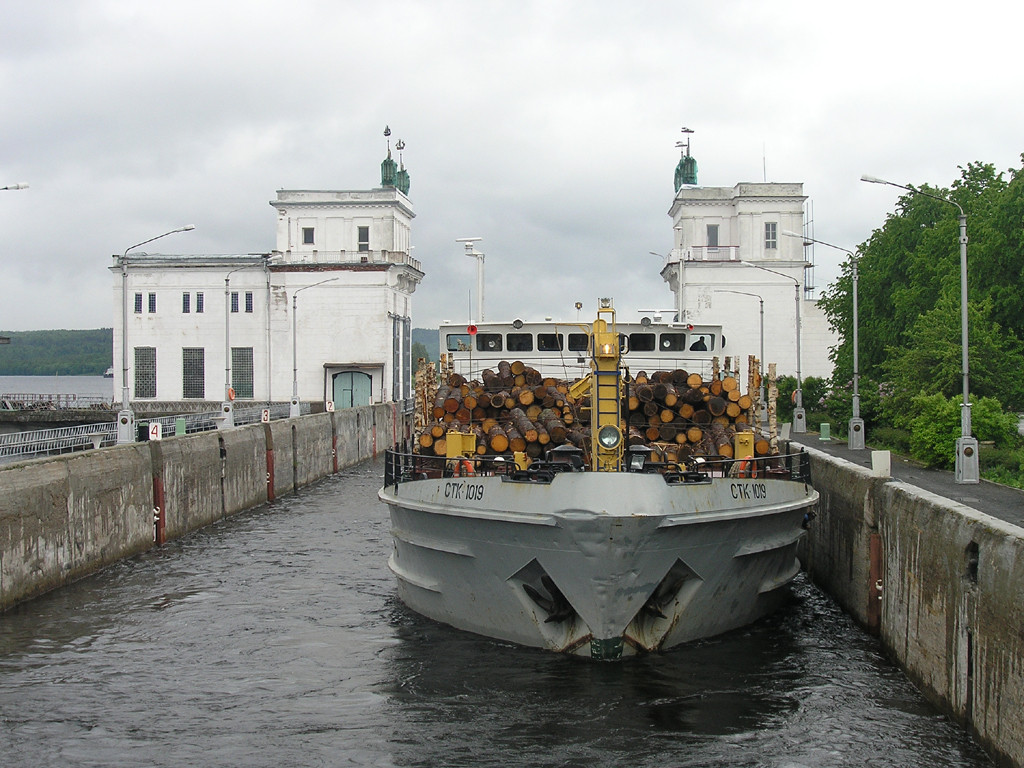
[(546, 128)]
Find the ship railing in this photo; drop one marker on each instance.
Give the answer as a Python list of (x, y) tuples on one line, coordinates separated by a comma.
[(401, 465)]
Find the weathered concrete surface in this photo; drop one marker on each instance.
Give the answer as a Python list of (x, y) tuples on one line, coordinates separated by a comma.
[(941, 583), (64, 517)]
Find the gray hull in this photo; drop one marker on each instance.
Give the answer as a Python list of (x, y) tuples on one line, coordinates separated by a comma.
[(596, 564)]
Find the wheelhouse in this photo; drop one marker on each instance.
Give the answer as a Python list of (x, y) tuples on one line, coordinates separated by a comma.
[(563, 349)]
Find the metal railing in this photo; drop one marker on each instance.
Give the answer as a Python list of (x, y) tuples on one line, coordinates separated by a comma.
[(60, 440), (24, 401)]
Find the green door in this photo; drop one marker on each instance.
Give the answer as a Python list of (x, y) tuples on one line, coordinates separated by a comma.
[(351, 388)]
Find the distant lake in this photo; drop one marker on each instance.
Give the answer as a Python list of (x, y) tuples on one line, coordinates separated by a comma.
[(83, 386)]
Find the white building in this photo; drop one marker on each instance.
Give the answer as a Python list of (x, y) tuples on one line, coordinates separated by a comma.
[(328, 312), (730, 253)]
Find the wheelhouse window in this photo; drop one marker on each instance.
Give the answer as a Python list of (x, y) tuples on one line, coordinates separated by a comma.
[(519, 342), (702, 342), (641, 342), (578, 342), (550, 342), (672, 342), (488, 342), (308, 236), (771, 235), (457, 342)]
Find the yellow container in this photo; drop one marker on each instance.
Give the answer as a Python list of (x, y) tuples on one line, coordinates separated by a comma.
[(743, 445), (460, 444)]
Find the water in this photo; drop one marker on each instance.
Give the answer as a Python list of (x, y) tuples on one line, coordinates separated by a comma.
[(275, 639), (83, 386)]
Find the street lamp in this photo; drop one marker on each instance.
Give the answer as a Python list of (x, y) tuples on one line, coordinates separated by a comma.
[(125, 417), (7, 339), (295, 410), (799, 414), (855, 428), (966, 471), (471, 251), (227, 408), (764, 405)]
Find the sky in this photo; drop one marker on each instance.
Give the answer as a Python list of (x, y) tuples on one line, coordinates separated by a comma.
[(548, 129)]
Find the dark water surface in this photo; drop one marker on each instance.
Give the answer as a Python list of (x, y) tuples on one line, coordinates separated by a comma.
[(275, 639)]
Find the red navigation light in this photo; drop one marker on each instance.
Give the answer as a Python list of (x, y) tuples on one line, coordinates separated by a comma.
[(471, 330)]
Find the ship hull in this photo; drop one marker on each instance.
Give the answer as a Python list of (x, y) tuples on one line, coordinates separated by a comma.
[(595, 564)]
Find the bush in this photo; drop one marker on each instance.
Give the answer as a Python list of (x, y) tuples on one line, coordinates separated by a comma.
[(935, 427), (891, 439)]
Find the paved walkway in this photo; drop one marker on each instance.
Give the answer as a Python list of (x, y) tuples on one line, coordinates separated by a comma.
[(1000, 501)]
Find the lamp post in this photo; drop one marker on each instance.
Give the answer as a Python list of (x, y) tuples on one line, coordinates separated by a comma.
[(227, 408), (295, 410), (855, 428), (764, 406), (7, 339), (471, 251), (125, 417), (966, 468), (799, 414)]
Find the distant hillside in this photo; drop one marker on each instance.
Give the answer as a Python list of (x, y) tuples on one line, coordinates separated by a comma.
[(65, 353), (428, 338)]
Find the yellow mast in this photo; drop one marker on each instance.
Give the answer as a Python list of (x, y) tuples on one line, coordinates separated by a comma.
[(605, 392)]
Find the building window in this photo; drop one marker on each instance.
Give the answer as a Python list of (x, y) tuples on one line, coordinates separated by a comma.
[(771, 235), (152, 303), (234, 301), (186, 303), (712, 237), (248, 301), (193, 372), (138, 303), (242, 372), (199, 302), (308, 236), (145, 372), (364, 239)]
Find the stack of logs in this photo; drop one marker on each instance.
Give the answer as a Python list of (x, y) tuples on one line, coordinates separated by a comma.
[(677, 414)]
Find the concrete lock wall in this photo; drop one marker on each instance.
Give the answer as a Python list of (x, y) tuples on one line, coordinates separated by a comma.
[(940, 583), (64, 517)]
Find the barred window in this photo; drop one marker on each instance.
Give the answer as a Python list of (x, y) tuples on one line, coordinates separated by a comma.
[(248, 301), (199, 302), (234, 301), (771, 235), (145, 372), (138, 303), (152, 303), (186, 302), (242, 372), (193, 372)]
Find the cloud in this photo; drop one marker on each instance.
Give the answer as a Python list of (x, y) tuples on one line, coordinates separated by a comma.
[(548, 129)]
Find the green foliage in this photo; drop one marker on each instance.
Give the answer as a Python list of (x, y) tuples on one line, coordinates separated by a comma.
[(813, 397), (68, 353), (419, 351), (935, 427)]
